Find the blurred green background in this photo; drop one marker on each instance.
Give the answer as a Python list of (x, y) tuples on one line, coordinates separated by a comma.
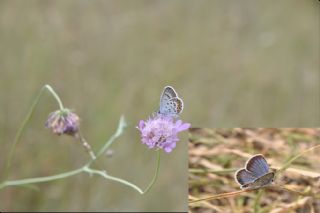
[(248, 64)]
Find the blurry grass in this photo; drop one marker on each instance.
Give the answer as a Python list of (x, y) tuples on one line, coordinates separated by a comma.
[(240, 144), (248, 64)]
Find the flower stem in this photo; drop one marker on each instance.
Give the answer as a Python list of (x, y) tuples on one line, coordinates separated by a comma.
[(86, 145), (25, 122), (40, 179), (55, 95), (121, 127), (105, 175), (109, 177), (155, 174)]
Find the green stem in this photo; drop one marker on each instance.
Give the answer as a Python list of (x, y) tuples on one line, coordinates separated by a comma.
[(86, 145), (25, 122), (55, 95), (109, 177), (122, 125), (105, 175), (155, 174), (40, 179)]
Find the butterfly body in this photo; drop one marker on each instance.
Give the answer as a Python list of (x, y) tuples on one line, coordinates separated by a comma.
[(255, 174), (170, 103)]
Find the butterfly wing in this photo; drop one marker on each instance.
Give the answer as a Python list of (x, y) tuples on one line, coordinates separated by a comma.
[(262, 181), (257, 165), (170, 103), (167, 93), (243, 177), (173, 107)]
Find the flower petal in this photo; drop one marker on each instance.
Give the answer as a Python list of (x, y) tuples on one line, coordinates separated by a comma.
[(141, 125), (184, 126)]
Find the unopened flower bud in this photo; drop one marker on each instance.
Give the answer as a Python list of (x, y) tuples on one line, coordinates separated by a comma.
[(63, 122)]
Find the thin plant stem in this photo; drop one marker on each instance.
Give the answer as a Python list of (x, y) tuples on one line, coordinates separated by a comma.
[(109, 177), (230, 194), (86, 145), (284, 187), (55, 95), (25, 122), (288, 163), (155, 174), (40, 179), (289, 190), (220, 196), (215, 171), (68, 174), (122, 125)]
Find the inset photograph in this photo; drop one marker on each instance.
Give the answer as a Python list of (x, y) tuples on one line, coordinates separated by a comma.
[(254, 170)]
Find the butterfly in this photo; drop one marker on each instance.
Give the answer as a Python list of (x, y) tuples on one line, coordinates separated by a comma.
[(255, 174), (170, 103)]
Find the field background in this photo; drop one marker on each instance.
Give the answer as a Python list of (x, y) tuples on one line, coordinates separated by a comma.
[(234, 64), (216, 154)]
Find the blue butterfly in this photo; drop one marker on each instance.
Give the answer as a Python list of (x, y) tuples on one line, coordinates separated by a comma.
[(255, 174), (170, 103)]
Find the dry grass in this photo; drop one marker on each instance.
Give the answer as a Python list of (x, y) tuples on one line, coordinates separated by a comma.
[(214, 155)]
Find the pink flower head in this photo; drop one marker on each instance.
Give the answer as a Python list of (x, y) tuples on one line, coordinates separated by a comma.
[(63, 122), (161, 132)]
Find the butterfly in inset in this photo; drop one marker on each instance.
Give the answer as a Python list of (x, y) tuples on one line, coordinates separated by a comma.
[(255, 174)]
